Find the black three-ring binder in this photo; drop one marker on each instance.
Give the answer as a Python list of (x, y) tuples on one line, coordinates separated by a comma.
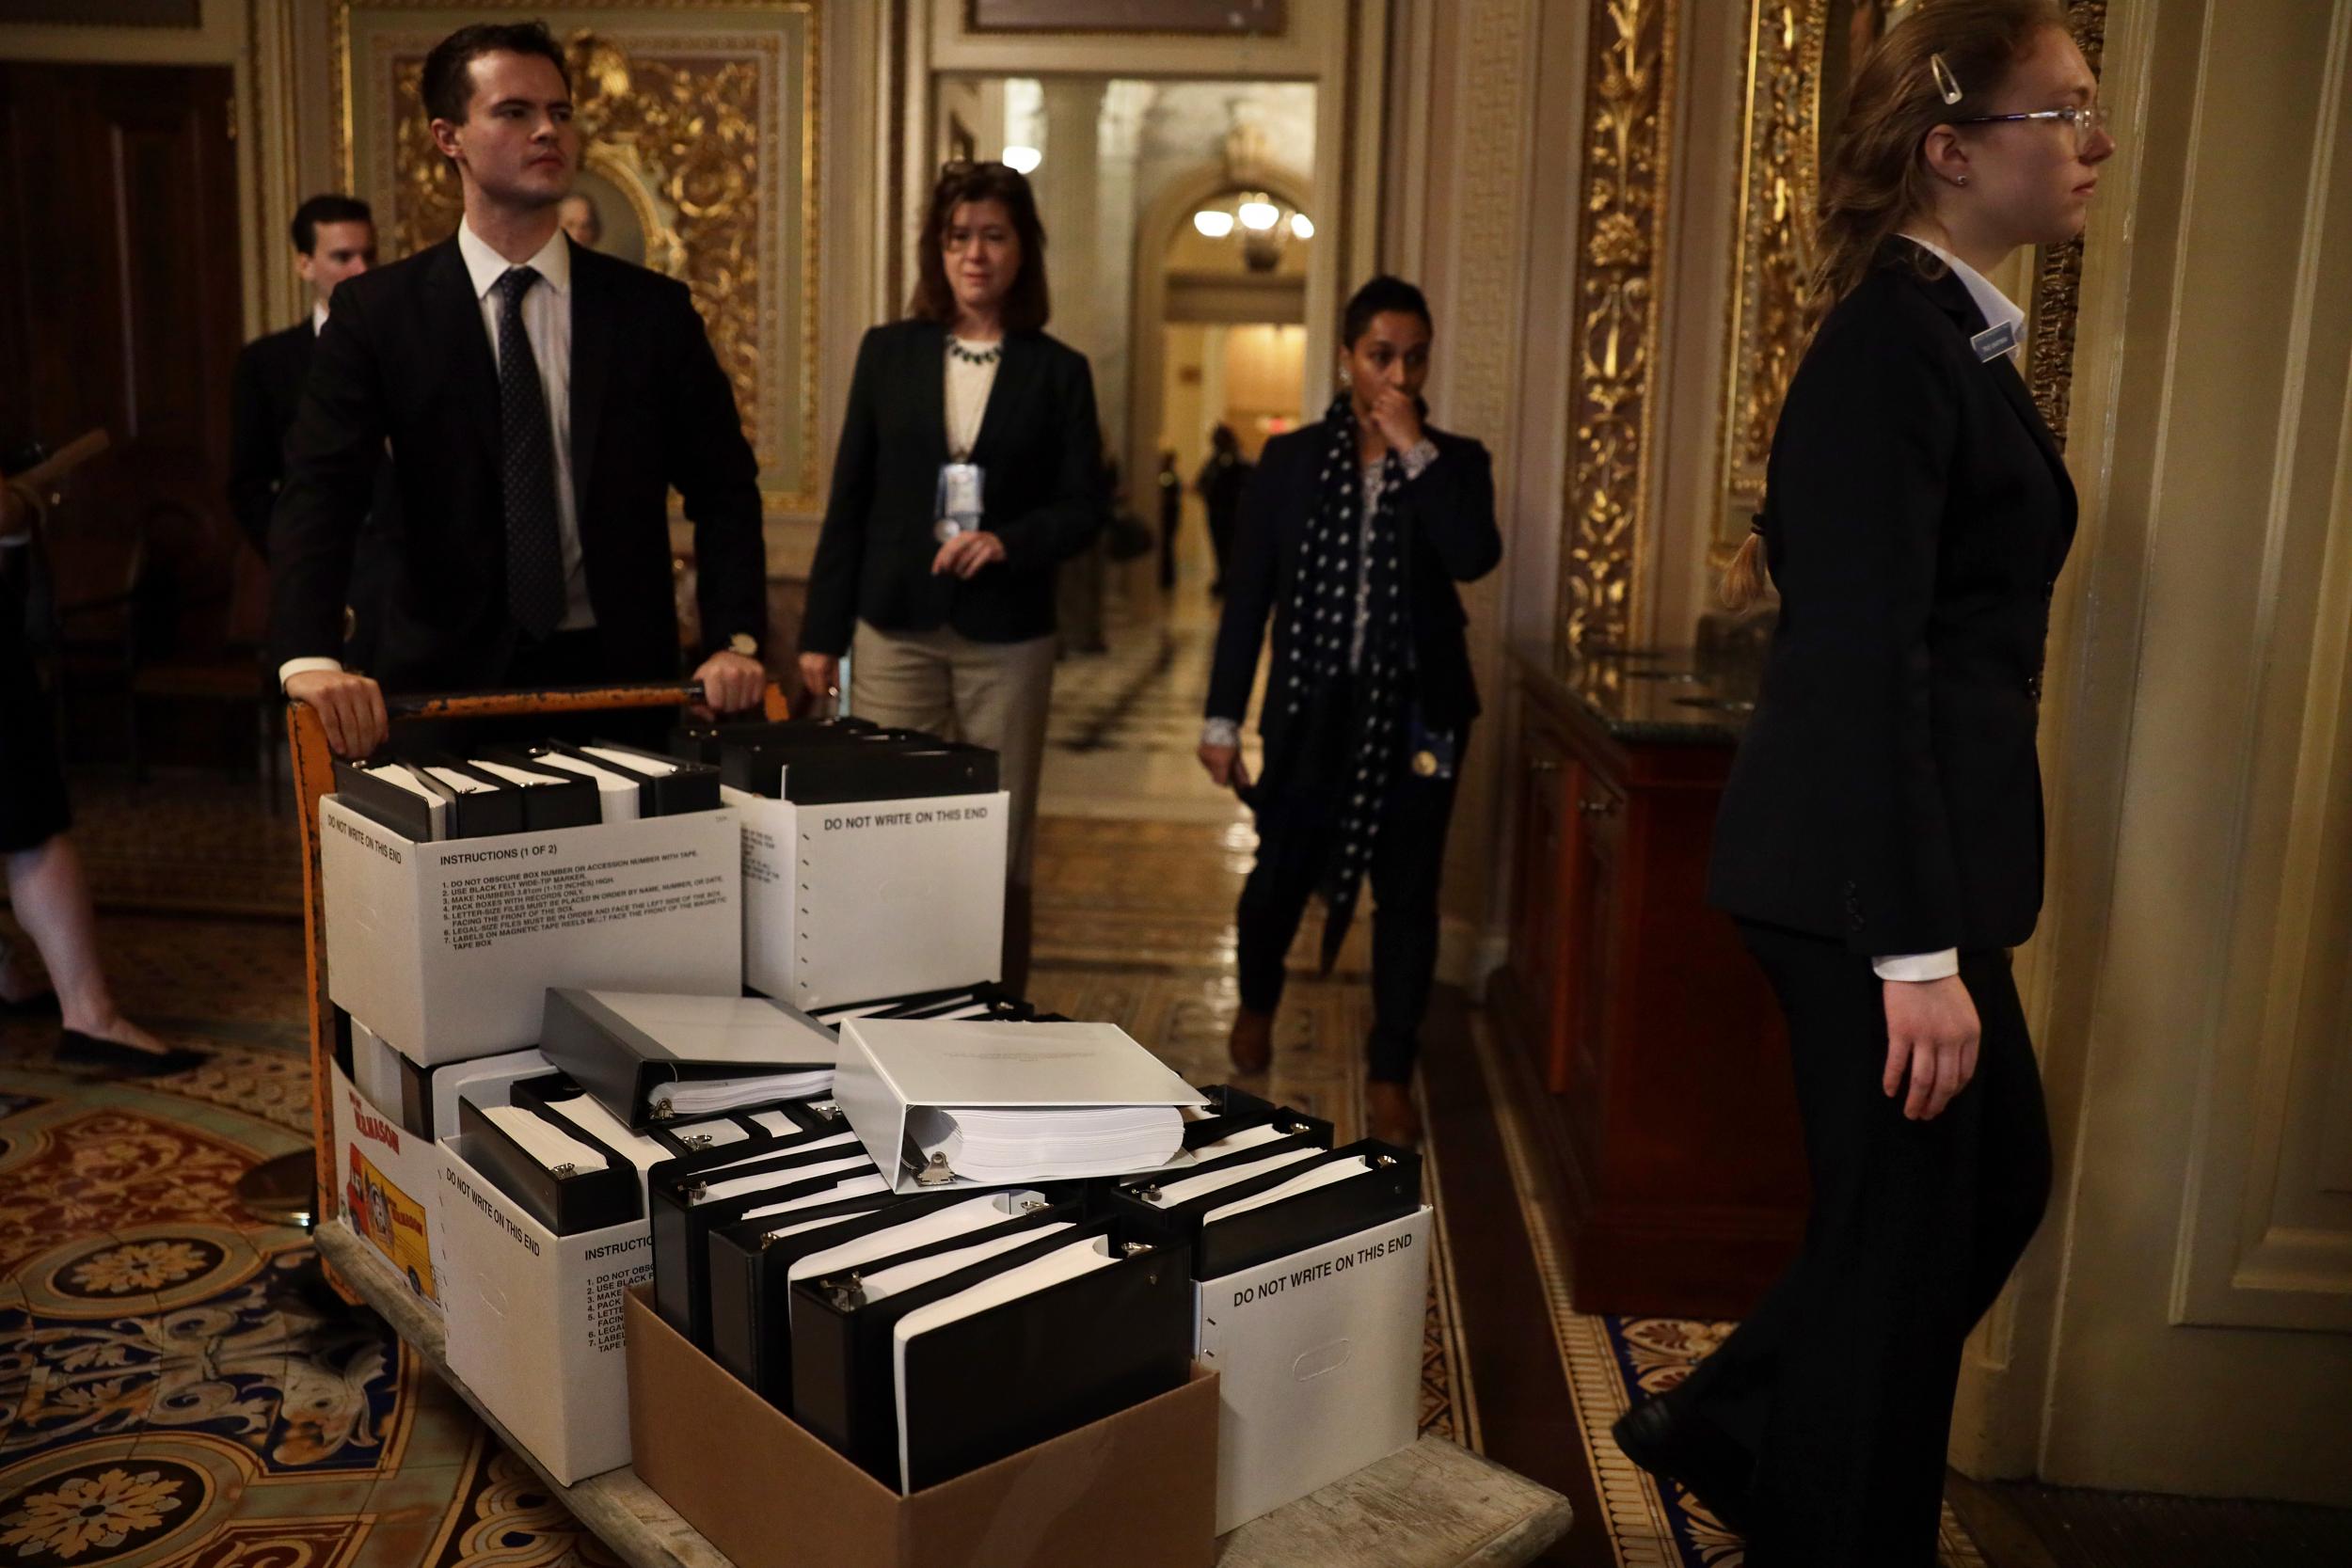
[(1389, 1190), (1003, 1379), (683, 1216), (565, 1200)]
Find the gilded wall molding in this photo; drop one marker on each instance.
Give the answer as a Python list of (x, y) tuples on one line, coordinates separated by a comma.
[(707, 136), (1628, 117), (1779, 188)]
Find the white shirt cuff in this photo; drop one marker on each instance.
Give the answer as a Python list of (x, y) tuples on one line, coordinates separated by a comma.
[(293, 667), (1220, 732), (1918, 966), (1417, 457)]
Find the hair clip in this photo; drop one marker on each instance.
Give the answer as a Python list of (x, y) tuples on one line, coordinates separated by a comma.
[(1945, 83)]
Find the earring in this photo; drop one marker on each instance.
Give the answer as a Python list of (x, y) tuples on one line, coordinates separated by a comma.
[(1346, 379), (1960, 179)]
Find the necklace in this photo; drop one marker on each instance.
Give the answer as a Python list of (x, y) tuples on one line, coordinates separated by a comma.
[(988, 356)]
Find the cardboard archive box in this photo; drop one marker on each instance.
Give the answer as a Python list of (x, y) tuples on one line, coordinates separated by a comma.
[(1137, 1488), (386, 1176), (448, 948), (850, 901), (1318, 1360)]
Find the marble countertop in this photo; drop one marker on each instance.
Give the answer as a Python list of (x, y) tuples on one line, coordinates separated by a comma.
[(1649, 694)]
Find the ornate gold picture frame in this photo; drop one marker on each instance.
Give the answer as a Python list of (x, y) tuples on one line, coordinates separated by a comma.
[(699, 131)]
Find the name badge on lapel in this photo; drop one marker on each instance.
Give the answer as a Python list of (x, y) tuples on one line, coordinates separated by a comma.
[(1994, 342)]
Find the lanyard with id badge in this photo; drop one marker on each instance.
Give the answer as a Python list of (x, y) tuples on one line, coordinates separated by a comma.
[(959, 508)]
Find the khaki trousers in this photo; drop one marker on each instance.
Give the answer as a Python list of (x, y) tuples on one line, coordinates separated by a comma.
[(992, 694)]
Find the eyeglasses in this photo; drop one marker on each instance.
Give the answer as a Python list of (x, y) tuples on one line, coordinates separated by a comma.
[(2084, 117)]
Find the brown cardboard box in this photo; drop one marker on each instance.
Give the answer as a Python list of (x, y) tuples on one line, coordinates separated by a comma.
[(1137, 1488)]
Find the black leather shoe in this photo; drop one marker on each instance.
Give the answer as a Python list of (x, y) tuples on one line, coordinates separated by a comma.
[(1691, 1453), (75, 1049)]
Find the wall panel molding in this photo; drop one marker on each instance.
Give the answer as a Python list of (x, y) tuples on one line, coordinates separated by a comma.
[(1629, 119)]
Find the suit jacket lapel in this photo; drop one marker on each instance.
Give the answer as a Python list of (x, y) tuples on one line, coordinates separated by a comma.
[(457, 322), (592, 364), (1952, 294), (929, 392)]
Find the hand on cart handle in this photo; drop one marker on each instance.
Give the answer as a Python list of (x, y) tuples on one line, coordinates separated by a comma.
[(351, 706), (820, 678), (731, 683)]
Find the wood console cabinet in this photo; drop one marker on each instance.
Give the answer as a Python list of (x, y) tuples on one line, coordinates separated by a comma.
[(1640, 1032)]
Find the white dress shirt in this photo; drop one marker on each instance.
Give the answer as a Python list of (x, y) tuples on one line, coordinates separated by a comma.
[(1998, 309), (547, 323), (318, 319)]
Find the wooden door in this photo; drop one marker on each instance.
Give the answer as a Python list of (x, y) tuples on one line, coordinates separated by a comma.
[(119, 309)]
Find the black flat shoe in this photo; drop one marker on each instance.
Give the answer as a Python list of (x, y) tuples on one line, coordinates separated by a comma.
[(1692, 1454), (75, 1049)]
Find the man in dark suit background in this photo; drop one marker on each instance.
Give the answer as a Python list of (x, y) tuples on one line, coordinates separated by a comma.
[(540, 401), (334, 238)]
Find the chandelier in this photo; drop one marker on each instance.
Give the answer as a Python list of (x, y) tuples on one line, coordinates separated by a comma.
[(1259, 223)]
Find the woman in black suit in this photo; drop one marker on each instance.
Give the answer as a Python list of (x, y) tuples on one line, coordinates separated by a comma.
[(1352, 535), (1879, 840), (951, 615)]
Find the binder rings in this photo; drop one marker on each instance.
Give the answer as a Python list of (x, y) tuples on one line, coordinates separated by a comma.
[(689, 1197), (1231, 1111), (964, 1388), (569, 1182), (1278, 1201), (635, 1049)]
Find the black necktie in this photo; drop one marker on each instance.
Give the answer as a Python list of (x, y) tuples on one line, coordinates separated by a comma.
[(535, 545)]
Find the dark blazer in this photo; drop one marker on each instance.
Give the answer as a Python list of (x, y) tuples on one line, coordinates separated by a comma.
[(1887, 792), (1448, 517), (265, 389), (404, 356), (1040, 451)]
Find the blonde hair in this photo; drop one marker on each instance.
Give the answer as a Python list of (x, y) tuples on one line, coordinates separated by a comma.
[(1874, 181)]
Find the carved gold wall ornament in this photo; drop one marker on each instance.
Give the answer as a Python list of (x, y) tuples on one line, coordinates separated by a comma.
[(1627, 114), (705, 133), (1779, 191), (2058, 269)]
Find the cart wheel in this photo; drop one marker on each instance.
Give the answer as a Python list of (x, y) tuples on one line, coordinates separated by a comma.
[(281, 1191)]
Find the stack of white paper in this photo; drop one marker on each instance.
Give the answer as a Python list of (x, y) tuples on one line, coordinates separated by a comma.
[(1046, 1143), (542, 1140), (702, 1097)]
